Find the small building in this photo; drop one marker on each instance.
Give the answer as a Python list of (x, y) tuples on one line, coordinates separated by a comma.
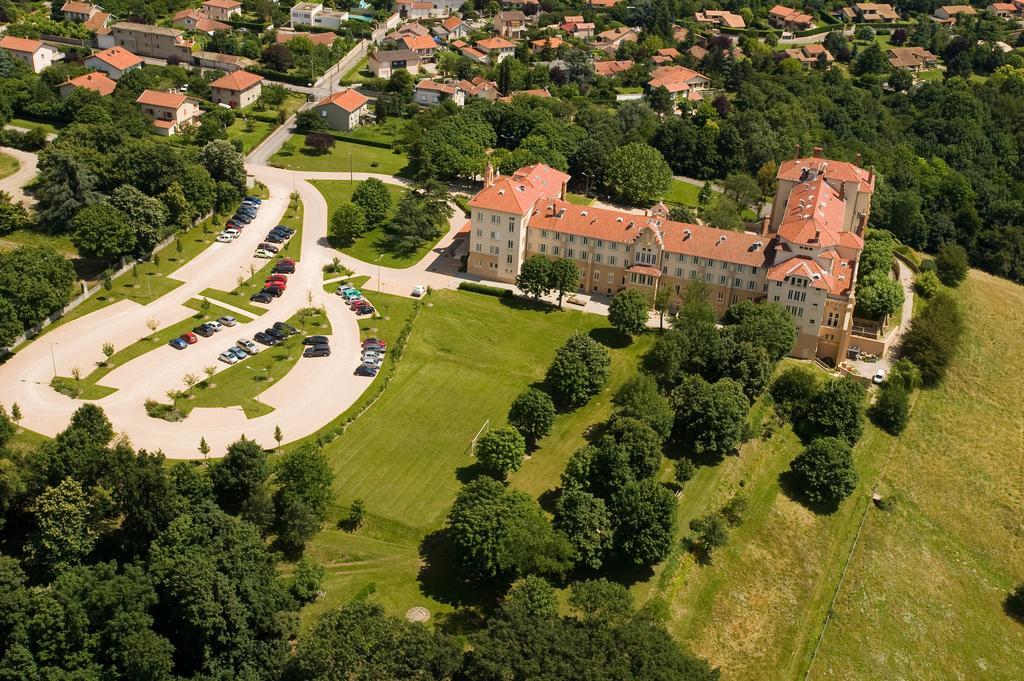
[(870, 13), (194, 20), (913, 59), (948, 14), (720, 19), (583, 30), (315, 14), (809, 56), (91, 16), (788, 18), (37, 54), (603, 4), (510, 24), (383, 63), (171, 112), (452, 28), (497, 49), (147, 40), (480, 88), (431, 93), (220, 62), (612, 68), (681, 82), (423, 45), (238, 89), (1004, 10), (665, 55), (115, 62), (343, 110), (474, 55), (609, 41), (549, 43), (326, 38), (97, 81), (222, 10)]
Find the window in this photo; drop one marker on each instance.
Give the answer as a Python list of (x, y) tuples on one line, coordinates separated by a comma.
[(554, 250), (569, 253), (707, 277), (739, 269), (572, 238), (679, 271), (586, 241), (750, 285), (721, 296), (511, 244), (611, 278), (511, 227), (710, 262), (693, 274), (597, 275), (736, 283), (494, 235), (583, 255), (544, 233), (508, 258), (725, 265), (558, 236), (627, 248), (734, 299), (479, 248), (543, 248), (611, 259), (494, 219), (680, 257), (723, 279), (600, 244), (480, 232), (597, 257), (753, 270), (832, 319), (797, 296), (696, 260), (613, 246)]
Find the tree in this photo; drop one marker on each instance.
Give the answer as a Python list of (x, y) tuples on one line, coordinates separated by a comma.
[(65, 185), (766, 325), (579, 371), (16, 413), (1015, 603), (347, 224), (927, 284), (204, 447), (749, 365), (356, 515), (532, 413), (838, 410), (639, 398), (190, 381), (879, 296), (584, 519), (645, 514), (563, 276), (501, 450), (306, 581), (310, 120), (710, 532), (10, 326), (891, 410), (824, 471), (794, 390), (661, 101), (628, 312), (224, 163), (534, 278), (240, 476), (641, 443), (13, 215), (64, 533), (951, 264), (145, 215), (102, 232), (531, 598), (319, 142), (373, 197), (304, 480), (637, 174), (278, 57), (684, 472), (710, 416), (724, 213), (742, 188), (934, 337), (35, 280)]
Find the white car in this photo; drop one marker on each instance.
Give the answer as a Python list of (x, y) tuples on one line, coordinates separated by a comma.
[(418, 290), (248, 346), (228, 358), (373, 362), (879, 377), (373, 355), (232, 231), (216, 326), (263, 253), (225, 238)]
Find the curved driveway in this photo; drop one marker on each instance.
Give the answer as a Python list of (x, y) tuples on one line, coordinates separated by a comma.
[(14, 183)]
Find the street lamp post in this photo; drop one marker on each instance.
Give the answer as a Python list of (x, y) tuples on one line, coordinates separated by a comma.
[(259, 391), (53, 360), (350, 177), (377, 261)]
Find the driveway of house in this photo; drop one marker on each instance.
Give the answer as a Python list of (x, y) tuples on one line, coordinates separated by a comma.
[(14, 184)]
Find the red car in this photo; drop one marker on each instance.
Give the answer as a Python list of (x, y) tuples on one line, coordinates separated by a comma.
[(189, 338), (288, 261), (375, 341), (277, 277), (231, 224), (358, 303)]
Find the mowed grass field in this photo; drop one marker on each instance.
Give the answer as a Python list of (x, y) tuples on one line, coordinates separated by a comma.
[(344, 156)]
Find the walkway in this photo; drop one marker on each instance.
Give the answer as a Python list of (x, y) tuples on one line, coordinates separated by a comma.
[(14, 184)]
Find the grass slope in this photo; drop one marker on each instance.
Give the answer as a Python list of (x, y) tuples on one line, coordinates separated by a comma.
[(8, 166), (344, 156)]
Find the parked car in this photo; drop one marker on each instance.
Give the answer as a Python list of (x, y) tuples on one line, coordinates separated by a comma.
[(261, 297), (317, 351), (203, 330), (287, 328), (239, 217), (274, 333), (232, 231), (279, 285), (375, 363), (269, 247), (374, 341), (261, 337), (189, 338), (272, 291), (879, 377), (281, 233), (263, 253), (363, 370), (418, 290), (227, 320), (228, 357), (246, 208), (276, 277), (225, 238), (352, 293), (216, 326), (274, 239), (363, 311), (178, 344), (285, 229), (284, 269), (255, 199), (231, 224), (238, 352), (372, 356), (315, 340), (248, 346), (286, 261)]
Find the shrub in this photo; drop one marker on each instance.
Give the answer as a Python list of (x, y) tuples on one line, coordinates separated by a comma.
[(710, 532), (824, 471), (933, 337), (736, 510), (951, 264), (927, 284), (891, 410), (794, 390), (685, 470), (486, 290), (1015, 603)]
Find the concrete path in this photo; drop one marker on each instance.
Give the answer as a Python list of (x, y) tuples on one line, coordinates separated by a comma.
[(14, 184)]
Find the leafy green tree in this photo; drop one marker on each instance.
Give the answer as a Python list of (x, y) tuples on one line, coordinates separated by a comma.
[(240, 476), (304, 480), (794, 390), (904, 375), (824, 471), (36, 280), (684, 472), (102, 232), (628, 312), (310, 120), (373, 197), (927, 284), (356, 514), (65, 185), (710, 416), (838, 410), (579, 371), (723, 212), (645, 515), (749, 365), (306, 580), (501, 450), (584, 519), (879, 296), (224, 163), (742, 188), (531, 597), (347, 224), (891, 411), (534, 278), (661, 101), (762, 324), (10, 326), (637, 174), (180, 211), (639, 398), (641, 442), (564, 277), (710, 532), (319, 142), (934, 336), (951, 264), (13, 215), (532, 413), (64, 532), (577, 473)]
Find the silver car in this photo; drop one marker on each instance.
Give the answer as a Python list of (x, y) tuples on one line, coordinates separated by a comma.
[(248, 346)]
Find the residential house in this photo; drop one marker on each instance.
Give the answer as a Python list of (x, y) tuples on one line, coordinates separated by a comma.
[(315, 14), (115, 62), (609, 41), (326, 38), (423, 45), (532, 5), (913, 59), (37, 54), (415, 9), (411, 28), (171, 112), (870, 13), (146, 40), (343, 110), (91, 16), (194, 20), (665, 55), (220, 62), (97, 81), (697, 52), (577, 28), (550, 43), (479, 88), (237, 89), (947, 14), (510, 24), (790, 19), (603, 4), (612, 68), (429, 93), (474, 55), (539, 92), (805, 262), (1004, 10), (810, 55), (222, 10), (383, 63), (720, 19), (452, 28), (681, 82), (497, 49)]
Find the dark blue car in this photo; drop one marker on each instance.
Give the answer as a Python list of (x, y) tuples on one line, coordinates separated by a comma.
[(363, 370), (178, 343)]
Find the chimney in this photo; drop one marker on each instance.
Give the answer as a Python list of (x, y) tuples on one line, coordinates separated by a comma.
[(857, 159), (489, 175), (817, 236), (797, 151), (817, 152)]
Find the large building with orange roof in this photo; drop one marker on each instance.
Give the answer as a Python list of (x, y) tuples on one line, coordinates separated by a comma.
[(115, 62), (804, 258)]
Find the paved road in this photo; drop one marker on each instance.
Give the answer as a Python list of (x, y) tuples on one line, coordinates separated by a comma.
[(14, 184)]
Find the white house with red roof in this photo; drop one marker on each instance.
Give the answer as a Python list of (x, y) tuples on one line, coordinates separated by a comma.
[(511, 24), (222, 10), (423, 45), (37, 54), (784, 17), (97, 81), (237, 89), (681, 82), (720, 19), (452, 28), (343, 110), (431, 93), (194, 20), (496, 49), (115, 62), (171, 111)]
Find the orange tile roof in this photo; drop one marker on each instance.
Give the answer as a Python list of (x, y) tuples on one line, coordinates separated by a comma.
[(316, 38), (427, 84), (814, 216), (168, 100), (96, 21), (495, 43), (543, 177), (96, 81), (76, 7), (223, 4), (838, 282), (608, 68), (118, 57), (350, 100), (673, 78), (237, 81), (419, 42), (507, 195), (9, 42), (554, 42), (473, 53), (451, 23), (840, 171)]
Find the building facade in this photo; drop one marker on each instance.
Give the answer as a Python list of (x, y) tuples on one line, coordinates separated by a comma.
[(171, 111), (805, 258), (237, 89), (147, 40)]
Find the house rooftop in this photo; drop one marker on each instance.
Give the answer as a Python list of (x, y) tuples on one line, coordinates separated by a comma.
[(237, 81), (350, 100), (9, 42), (97, 81), (167, 100), (118, 57)]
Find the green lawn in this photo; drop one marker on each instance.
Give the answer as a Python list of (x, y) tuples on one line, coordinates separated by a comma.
[(8, 166), (29, 237), (343, 157), (48, 127), (578, 199), (371, 246), (251, 131), (928, 76), (358, 73), (238, 385), (683, 194), (405, 456)]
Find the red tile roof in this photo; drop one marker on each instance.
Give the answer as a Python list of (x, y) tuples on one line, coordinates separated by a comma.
[(97, 21), (609, 68), (118, 57), (76, 7), (168, 100), (223, 4), (96, 81), (419, 42), (814, 215), (316, 38), (495, 43), (350, 100), (838, 282), (237, 81), (427, 84), (507, 196), (9, 42), (674, 78), (840, 171), (451, 23)]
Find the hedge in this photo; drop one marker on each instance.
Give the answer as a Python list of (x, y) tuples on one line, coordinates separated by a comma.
[(486, 290)]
